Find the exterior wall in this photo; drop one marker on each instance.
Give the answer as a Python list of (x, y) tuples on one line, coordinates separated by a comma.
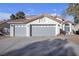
[(44, 20), (71, 28), (59, 26), (76, 27), (11, 30)]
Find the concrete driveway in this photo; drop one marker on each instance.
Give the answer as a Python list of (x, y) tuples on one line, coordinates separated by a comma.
[(12, 44), (9, 44)]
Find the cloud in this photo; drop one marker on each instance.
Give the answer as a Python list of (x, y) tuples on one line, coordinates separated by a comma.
[(4, 15)]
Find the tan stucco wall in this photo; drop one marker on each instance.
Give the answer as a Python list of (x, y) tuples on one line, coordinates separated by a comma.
[(76, 27)]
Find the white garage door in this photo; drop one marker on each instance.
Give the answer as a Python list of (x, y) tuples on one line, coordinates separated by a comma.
[(43, 30), (20, 31)]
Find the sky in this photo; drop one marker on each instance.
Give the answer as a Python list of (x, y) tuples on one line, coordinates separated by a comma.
[(6, 9)]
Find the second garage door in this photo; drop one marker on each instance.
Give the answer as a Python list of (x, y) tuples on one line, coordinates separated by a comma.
[(43, 30), (20, 31)]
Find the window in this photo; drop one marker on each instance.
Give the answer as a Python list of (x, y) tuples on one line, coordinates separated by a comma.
[(67, 27)]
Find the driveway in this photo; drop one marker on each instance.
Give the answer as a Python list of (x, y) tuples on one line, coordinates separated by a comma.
[(9, 44)]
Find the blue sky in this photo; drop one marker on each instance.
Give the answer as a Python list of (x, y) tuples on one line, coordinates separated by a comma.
[(33, 8), (6, 9)]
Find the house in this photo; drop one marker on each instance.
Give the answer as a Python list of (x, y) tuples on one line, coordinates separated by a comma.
[(4, 27), (3, 24), (76, 27), (39, 25)]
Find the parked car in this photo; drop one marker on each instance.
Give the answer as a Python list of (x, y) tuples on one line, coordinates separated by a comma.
[(77, 32), (1, 34), (4, 31)]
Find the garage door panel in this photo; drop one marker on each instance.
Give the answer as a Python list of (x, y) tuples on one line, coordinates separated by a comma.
[(43, 30), (20, 31)]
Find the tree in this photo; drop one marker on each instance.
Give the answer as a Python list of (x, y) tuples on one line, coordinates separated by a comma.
[(20, 15), (73, 9), (12, 17)]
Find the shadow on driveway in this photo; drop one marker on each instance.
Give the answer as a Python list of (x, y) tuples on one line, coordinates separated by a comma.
[(44, 48)]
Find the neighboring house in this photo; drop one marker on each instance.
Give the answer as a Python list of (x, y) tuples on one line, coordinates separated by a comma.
[(40, 25), (4, 27), (76, 27)]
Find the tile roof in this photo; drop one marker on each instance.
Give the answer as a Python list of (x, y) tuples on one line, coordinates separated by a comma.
[(28, 19), (4, 21), (66, 21)]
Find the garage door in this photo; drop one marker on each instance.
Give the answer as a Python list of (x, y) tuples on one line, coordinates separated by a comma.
[(20, 31), (43, 30)]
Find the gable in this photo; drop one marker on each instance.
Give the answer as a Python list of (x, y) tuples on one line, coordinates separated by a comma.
[(44, 20)]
